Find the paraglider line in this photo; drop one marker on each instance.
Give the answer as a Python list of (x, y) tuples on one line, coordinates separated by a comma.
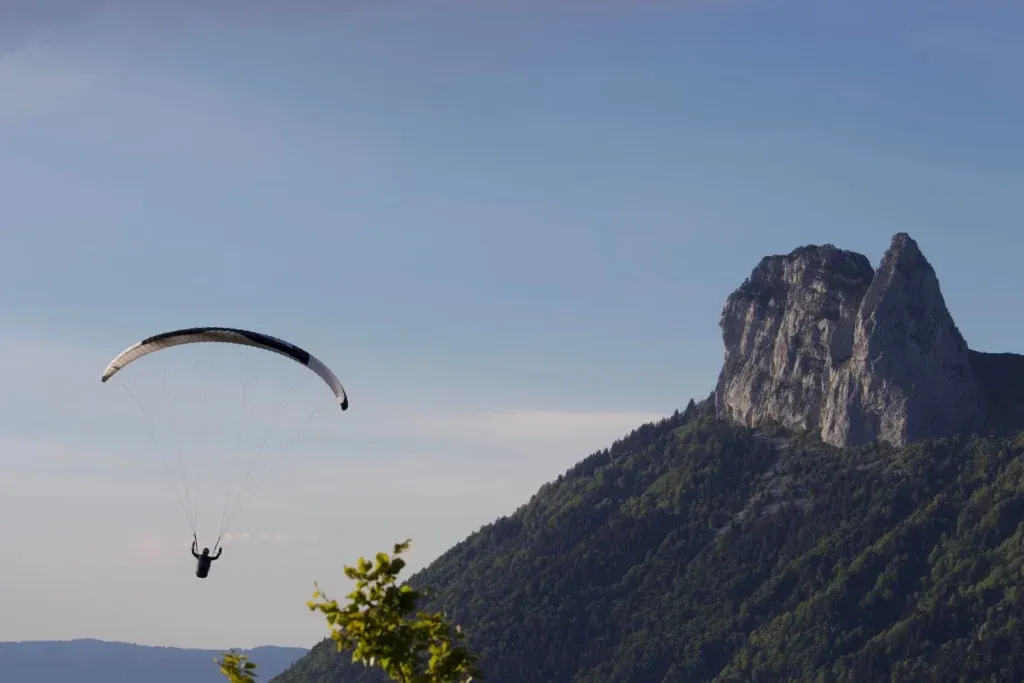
[(156, 444)]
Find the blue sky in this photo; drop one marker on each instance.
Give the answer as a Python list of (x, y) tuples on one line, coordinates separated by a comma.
[(509, 227)]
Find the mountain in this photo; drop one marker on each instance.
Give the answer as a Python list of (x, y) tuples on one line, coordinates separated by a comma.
[(845, 506), (97, 661), (819, 340)]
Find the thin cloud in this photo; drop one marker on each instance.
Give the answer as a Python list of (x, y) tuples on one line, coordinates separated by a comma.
[(239, 537), (990, 55), (34, 81), (55, 379), (194, 123), (528, 425), (22, 22), (61, 381)]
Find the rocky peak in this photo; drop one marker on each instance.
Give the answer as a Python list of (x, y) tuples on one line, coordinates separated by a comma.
[(817, 339)]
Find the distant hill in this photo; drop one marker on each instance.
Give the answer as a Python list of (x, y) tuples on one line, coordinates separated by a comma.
[(97, 661)]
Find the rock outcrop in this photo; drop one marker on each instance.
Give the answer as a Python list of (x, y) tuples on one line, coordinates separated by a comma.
[(818, 340)]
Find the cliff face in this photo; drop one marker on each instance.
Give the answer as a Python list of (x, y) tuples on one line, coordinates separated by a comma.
[(787, 329), (818, 340)]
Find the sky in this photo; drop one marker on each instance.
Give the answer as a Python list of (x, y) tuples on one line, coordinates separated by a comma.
[(509, 227)]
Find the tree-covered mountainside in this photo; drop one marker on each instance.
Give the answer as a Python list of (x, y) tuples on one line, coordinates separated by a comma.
[(698, 550)]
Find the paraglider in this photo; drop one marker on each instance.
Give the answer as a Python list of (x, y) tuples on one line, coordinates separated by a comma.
[(203, 567), (199, 380)]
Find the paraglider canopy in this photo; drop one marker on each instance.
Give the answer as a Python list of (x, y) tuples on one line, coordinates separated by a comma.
[(227, 335)]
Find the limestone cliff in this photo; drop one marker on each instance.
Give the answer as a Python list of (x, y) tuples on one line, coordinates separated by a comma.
[(818, 340)]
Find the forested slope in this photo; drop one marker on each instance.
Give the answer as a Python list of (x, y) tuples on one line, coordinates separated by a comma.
[(697, 550)]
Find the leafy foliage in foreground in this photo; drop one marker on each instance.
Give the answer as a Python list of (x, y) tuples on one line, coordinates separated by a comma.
[(376, 625), (379, 626), (236, 668), (695, 550)]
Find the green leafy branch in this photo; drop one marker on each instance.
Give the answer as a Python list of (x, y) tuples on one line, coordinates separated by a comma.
[(381, 627), (236, 668)]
